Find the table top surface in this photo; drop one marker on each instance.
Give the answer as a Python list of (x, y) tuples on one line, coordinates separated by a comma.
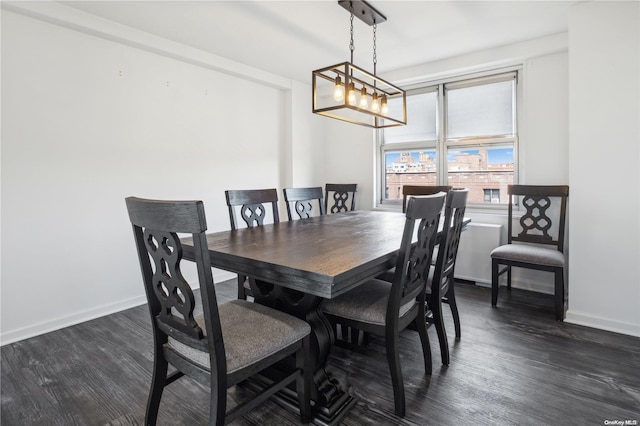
[(324, 256)]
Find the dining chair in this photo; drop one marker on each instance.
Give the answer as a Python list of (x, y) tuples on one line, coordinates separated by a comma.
[(408, 190), (441, 283), (252, 205), (214, 347), (302, 201), (538, 241), (385, 309), (343, 196), (444, 262)]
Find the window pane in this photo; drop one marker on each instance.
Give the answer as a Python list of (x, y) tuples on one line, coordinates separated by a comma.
[(408, 168), (484, 110), (421, 120), (486, 172)]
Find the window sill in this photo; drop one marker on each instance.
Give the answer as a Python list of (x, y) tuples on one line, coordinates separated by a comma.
[(473, 208)]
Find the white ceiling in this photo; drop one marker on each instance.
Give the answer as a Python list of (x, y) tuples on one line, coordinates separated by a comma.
[(292, 38)]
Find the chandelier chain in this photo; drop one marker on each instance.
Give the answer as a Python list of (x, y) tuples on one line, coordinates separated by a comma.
[(375, 57), (352, 47)]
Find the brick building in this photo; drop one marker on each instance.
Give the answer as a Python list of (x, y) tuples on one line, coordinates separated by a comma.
[(487, 183)]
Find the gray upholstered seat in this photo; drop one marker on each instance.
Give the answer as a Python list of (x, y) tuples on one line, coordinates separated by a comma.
[(367, 304), (529, 254), (386, 308), (442, 268), (270, 331), (226, 344), (537, 239)]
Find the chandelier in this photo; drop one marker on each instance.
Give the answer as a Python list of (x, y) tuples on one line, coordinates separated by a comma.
[(349, 93)]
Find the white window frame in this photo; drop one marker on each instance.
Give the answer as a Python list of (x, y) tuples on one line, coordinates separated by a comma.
[(442, 144)]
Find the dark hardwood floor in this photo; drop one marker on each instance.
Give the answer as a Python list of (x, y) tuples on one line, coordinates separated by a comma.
[(514, 365)]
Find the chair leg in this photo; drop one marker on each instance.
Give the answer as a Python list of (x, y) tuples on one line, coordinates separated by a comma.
[(303, 384), (397, 382), (342, 332), (365, 338), (158, 381), (242, 295), (436, 309), (509, 279), (218, 399), (559, 294), (355, 335), (421, 325), (494, 282), (451, 299)]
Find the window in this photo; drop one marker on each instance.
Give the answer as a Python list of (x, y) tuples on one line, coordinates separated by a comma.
[(460, 133), (491, 195)]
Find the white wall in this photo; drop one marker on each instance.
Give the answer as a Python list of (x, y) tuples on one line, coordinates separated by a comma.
[(544, 151), (604, 70), (349, 155), (580, 127), (88, 121), (308, 136), (543, 128)]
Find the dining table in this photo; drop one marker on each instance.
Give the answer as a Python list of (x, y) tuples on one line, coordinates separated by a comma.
[(293, 266)]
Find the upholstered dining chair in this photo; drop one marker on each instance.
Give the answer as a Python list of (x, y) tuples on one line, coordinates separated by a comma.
[(443, 270), (302, 200), (441, 283), (215, 347), (343, 196), (409, 190), (384, 308), (538, 241), (252, 206)]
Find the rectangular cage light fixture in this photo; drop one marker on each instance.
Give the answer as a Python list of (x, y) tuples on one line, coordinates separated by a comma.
[(349, 93)]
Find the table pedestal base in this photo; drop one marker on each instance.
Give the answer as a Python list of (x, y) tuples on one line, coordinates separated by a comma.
[(330, 399), (324, 413)]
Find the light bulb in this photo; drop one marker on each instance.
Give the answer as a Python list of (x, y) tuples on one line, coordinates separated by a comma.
[(375, 106), (385, 108), (338, 91), (364, 101), (352, 94)]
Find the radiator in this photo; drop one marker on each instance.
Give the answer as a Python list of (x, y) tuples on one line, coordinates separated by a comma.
[(476, 242)]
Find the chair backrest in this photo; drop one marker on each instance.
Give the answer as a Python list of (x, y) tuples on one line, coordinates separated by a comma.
[(454, 210), (343, 196), (537, 223), (171, 301), (252, 206), (408, 190), (414, 259), (302, 200)]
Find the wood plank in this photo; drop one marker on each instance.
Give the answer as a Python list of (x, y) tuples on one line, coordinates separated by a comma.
[(514, 365)]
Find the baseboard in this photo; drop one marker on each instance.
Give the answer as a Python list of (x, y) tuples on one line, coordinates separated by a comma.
[(522, 285), (470, 279), (579, 318), (587, 320), (13, 336)]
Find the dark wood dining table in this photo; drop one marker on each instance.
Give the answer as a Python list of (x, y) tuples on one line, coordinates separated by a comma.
[(295, 265)]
